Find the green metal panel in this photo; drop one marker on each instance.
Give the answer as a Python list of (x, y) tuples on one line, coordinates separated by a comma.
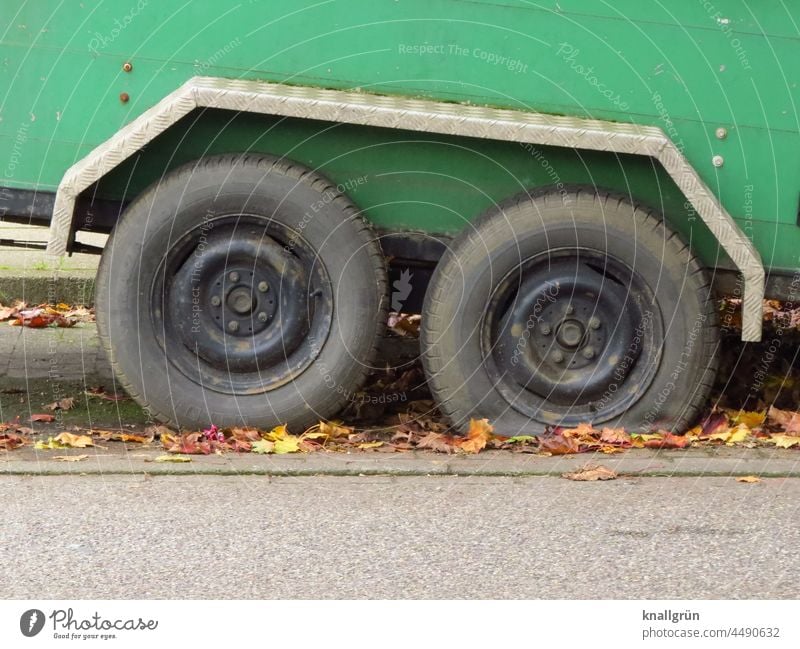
[(690, 67)]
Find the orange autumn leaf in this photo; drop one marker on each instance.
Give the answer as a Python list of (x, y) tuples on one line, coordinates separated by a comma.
[(479, 434), (557, 444), (615, 437), (667, 440)]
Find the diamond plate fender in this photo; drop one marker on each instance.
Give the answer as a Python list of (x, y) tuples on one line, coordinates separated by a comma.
[(418, 115)]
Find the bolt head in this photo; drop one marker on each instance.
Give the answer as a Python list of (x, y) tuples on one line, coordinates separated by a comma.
[(215, 300), (234, 276), (570, 309), (233, 326), (127, 66), (721, 133), (263, 287), (718, 161), (262, 317), (594, 323), (545, 329), (558, 357), (588, 352)]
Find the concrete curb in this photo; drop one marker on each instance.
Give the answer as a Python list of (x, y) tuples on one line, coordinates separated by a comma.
[(118, 459), (38, 287)]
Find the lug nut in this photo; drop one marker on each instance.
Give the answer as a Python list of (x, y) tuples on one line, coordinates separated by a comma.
[(263, 287), (262, 317), (558, 357), (545, 329), (594, 323), (233, 326), (588, 353), (215, 301), (234, 276)]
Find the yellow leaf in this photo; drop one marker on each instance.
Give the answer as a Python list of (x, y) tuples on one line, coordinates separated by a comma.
[(731, 436), (314, 434), (750, 479), (70, 458), (367, 445), (168, 440), (290, 444), (263, 446), (638, 440), (738, 435), (279, 432), (74, 441), (609, 450), (173, 458), (50, 444), (783, 441), (749, 419)]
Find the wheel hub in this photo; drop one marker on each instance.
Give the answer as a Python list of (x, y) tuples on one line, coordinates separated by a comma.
[(570, 334), (241, 300), (566, 332), (249, 302)]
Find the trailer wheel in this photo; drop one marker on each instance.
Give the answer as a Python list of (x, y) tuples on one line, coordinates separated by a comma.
[(241, 291), (562, 308)]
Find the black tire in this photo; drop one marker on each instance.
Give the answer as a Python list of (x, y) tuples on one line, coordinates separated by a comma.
[(257, 241), (595, 274)]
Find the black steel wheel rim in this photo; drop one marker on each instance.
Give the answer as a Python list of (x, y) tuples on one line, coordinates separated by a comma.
[(572, 335), (241, 304)]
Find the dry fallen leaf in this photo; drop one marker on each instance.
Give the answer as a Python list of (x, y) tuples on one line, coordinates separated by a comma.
[(187, 444), (289, 444), (558, 445), (783, 441), (615, 437), (437, 442), (119, 436), (750, 479), (70, 458), (42, 417), (279, 432), (67, 403), (665, 439), (10, 441), (263, 446), (786, 419), (714, 423), (334, 429), (749, 419), (74, 441), (590, 473), (480, 432), (173, 458)]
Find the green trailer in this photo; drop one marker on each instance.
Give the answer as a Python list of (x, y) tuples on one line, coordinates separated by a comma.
[(559, 187)]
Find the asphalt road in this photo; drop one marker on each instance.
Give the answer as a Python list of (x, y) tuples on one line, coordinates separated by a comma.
[(67, 537)]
